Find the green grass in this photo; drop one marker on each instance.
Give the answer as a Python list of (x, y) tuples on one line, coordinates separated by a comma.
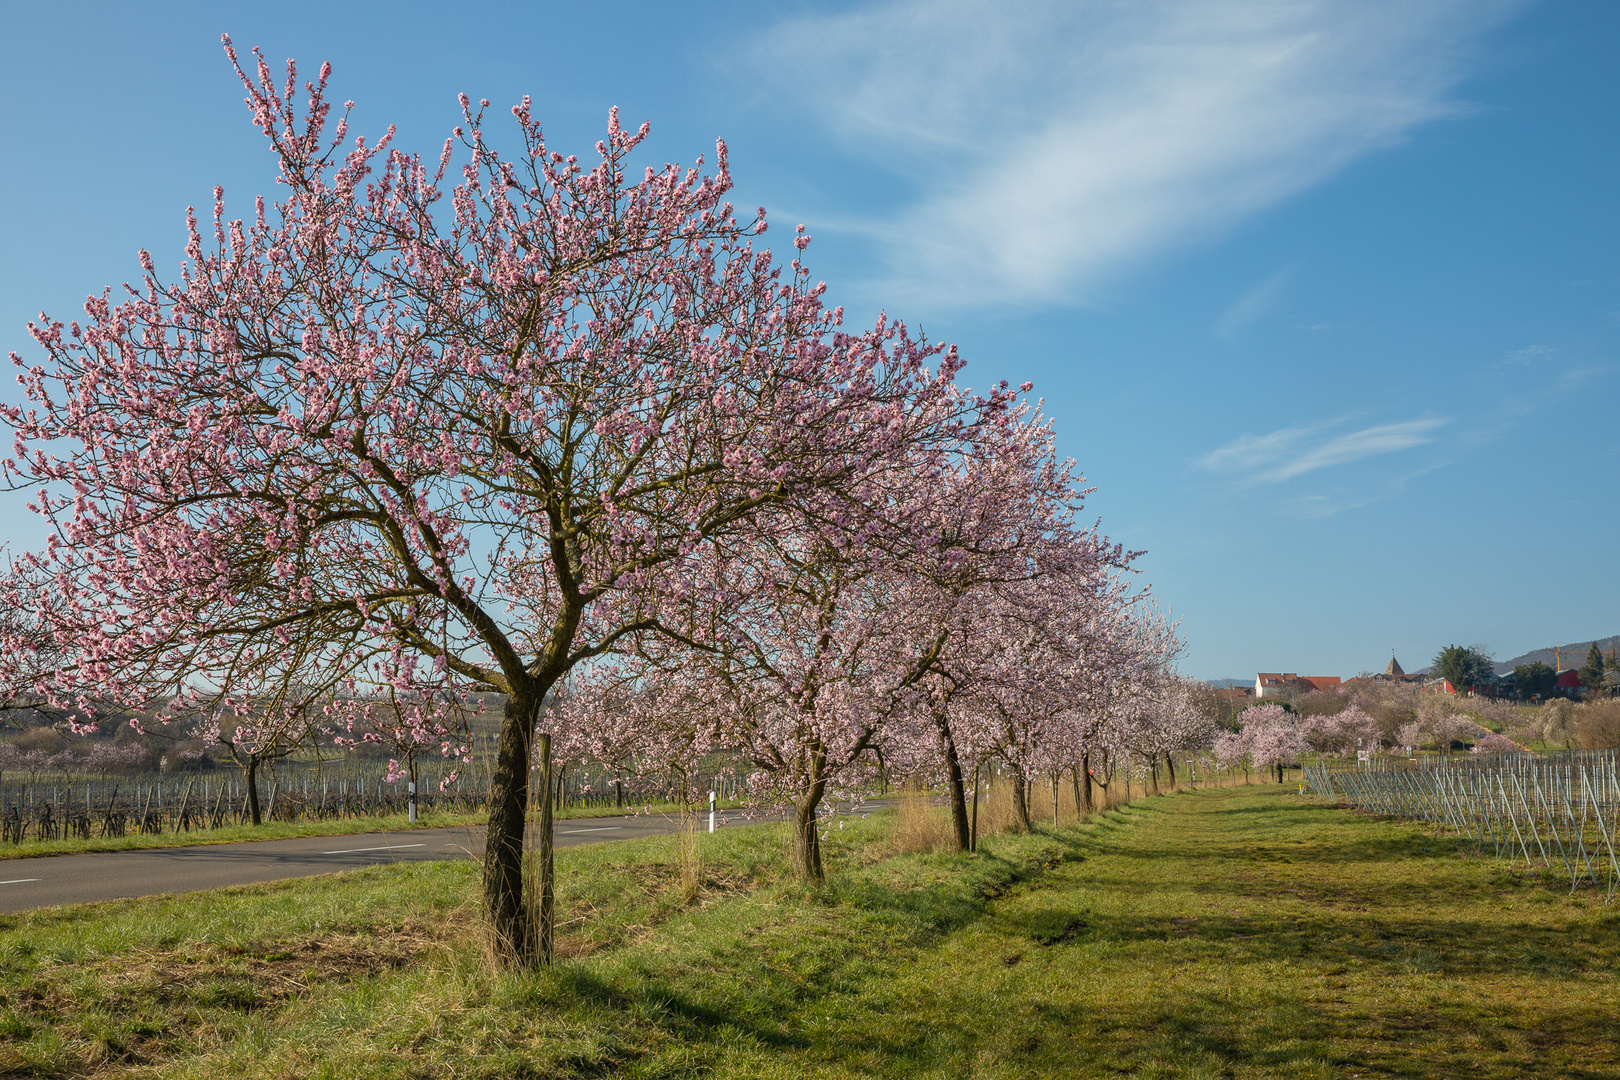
[(1239, 932)]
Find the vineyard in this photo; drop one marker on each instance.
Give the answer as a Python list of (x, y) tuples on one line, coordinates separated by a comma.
[(1556, 810), (64, 807)]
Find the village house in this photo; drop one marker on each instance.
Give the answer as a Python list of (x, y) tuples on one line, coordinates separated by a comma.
[(1393, 673), (1286, 685)]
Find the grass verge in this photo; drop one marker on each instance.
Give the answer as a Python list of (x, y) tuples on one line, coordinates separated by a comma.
[(1225, 933)]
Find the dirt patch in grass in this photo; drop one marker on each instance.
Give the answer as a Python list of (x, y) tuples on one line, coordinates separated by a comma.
[(276, 971), (142, 1006)]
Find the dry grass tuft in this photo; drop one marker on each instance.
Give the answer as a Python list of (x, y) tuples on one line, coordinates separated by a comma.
[(691, 861), (996, 803), (920, 824), (270, 972), (995, 808)]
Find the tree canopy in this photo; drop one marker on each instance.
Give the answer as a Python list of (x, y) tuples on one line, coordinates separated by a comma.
[(1464, 666), (1534, 679), (1592, 670)]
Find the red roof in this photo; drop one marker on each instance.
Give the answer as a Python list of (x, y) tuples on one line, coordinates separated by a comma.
[(1569, 680), (1313, 682)]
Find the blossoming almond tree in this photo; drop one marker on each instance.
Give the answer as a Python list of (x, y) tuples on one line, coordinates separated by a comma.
[(408, 727), (786, 647), (454, 430), (797, 676), (1269, 737)]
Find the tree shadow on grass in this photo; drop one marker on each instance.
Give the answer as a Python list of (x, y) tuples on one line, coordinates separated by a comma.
[(765, 988), (1289, 1035)]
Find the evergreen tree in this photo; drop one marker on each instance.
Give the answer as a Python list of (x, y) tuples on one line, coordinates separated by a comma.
[(1463, 666), (1592, 670), (1534, 679)]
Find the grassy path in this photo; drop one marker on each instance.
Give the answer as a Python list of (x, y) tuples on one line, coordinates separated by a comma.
[(1246, 933), (1230, 933)]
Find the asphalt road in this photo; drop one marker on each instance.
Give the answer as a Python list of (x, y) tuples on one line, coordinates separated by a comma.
[(79, 879)]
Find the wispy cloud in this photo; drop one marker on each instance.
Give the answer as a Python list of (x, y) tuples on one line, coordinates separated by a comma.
[(1529, 356), (1051, 143), (1253, 304), (1290, 452)]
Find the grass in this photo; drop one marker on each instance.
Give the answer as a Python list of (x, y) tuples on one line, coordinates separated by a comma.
[(1237, 932)]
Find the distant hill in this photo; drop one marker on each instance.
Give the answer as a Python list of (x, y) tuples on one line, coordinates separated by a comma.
[(1574, 654)]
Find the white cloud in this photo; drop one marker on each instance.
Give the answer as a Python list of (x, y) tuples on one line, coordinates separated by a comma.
[(1253, 304), (1250, 453), (1290, 452), (1529, 356), (1052, 143)]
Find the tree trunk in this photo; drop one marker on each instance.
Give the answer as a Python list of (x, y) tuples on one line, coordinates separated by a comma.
[(1082, 807), (254, 814), (1171, 765), (548, 907), (1153, 771), (1020, 795), (806, 838), (1279, 772), (510, 914), (953, 777), (973, 831)]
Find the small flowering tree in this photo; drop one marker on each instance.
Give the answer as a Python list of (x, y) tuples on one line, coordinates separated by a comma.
[(253, 731), (797, 668), (105, 757), (1440, 722), (1269, 737), (1489, 742), (407, 729), (1343, 732), (13, 759)]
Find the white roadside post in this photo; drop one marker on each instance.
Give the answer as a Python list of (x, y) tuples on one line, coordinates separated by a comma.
[(711, 810), (411, 804)]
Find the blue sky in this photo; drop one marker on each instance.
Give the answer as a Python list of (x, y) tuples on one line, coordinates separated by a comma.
[(1325, 297)]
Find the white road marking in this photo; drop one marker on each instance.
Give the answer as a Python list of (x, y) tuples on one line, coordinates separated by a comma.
[(602, 828), (18, 880), (385, 847)]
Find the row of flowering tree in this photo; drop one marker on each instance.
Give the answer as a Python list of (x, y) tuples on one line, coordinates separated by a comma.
[(430, 427), (994, 629), (1270, 737)]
